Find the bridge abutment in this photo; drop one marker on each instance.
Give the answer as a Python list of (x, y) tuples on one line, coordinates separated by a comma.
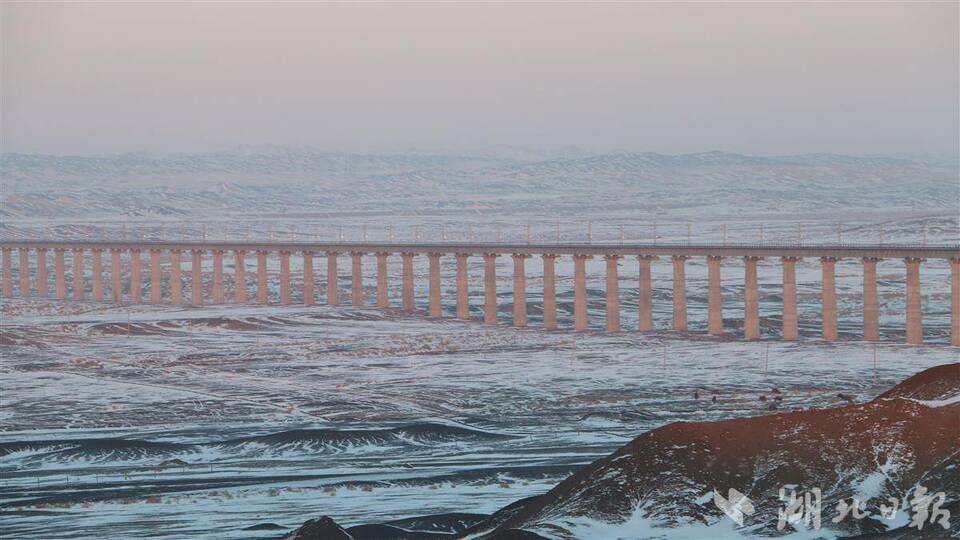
[(435, 308), (407, 283), (519, 290), (490, 288), (914, 313), (871, 312), (829, 298), (308, 279), (751, 303), (714, 299), (580, 320), (613, 293), (549, 292), (679, 293)]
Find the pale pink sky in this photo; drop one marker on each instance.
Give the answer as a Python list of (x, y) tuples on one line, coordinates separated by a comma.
[(765, 78)]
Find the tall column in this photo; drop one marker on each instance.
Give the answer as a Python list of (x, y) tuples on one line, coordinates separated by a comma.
[(435, 308), (914, 317), (308, 295), (408, 304), (78, 274), (197, 277), (356, 271), (829, 298), (645, 301), (24, 272), (60, 285), (549, 292), (714, 299), (871, 311), (383, 293), (7, 273), (580, 322), (116, 288), (135, 266), (240, 276), (751, 304), (489, 288), (42, 286), (955, 302), (156, 290), (789, 298), (97, 277), (263, 294), (463, 283), (332, 278), (218, 295), (285, 277), (519, 290), (613, 293), (176, 282), (679, 293)]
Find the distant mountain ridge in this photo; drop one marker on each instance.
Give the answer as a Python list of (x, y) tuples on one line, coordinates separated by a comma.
[(282, 179), (284, 160)]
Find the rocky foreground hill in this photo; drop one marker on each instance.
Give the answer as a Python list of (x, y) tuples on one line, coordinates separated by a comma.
[(899, 451)]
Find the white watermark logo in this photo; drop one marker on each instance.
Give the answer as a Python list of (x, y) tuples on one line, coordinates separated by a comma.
[(803, 510), (735, 506)]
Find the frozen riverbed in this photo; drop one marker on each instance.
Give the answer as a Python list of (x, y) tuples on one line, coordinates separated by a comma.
[(202, 421)]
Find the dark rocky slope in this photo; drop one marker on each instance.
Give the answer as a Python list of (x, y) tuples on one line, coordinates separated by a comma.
[(662, 483)]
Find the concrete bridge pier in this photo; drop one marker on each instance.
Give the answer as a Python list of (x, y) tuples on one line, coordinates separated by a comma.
[(24, 273), (871, 313), (383, 291), (955, 302), (78, 274), (714, 300), (489, 288), (116, 289), (60, 269), (308, 283), (42, 286), (156, 277), (96, 255), (751, 307), (679, 293), (581, 322), (218, 296), (284, 278), (332, 279), (789, 298), (645, 301), (7, 273), (463, 284), (519, 290), (240, 276), (435, 308), (914, 314), (135, 278), (613, 293), (829, 297), (263, 293), (407, 282), (176, 282), (356, 289), (196, 287), (549, 292)]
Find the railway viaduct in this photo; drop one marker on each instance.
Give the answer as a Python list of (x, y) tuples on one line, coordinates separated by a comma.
[(644, 254)]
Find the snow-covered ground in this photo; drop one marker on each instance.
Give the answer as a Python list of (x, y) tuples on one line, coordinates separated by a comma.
[(187, 422)]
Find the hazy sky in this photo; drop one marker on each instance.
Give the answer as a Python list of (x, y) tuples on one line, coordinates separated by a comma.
[(747, 77)]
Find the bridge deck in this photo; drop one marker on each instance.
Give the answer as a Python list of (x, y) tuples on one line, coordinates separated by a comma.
[(882, 251)]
